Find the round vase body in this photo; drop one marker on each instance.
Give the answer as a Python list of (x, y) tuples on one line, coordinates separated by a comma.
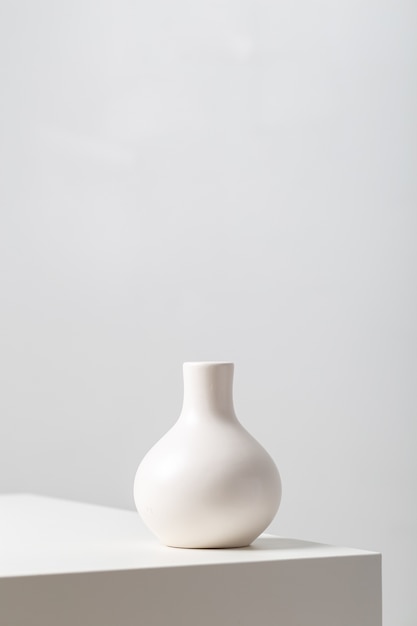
[(207, 483)]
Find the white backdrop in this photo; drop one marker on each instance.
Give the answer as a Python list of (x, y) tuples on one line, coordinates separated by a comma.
[(215, 181)]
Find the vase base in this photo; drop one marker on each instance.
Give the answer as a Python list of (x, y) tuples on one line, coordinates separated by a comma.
[(231, 547)]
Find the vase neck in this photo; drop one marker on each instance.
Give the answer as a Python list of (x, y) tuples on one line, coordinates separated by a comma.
[(208, 390)]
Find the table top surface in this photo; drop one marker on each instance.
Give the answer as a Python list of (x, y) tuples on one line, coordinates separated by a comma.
[(41, 535)]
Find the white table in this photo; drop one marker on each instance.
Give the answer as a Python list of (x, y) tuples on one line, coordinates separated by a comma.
[(69, 564)]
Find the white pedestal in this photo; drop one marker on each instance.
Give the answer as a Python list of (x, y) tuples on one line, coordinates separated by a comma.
[(69, 564)]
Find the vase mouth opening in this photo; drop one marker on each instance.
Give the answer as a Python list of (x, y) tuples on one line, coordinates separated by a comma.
[(207, 363)]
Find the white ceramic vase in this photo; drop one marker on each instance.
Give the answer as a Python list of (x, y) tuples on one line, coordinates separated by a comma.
[(207, 483)]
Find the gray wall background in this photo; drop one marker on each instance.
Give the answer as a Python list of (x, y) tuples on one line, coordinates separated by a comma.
[(215, 181)]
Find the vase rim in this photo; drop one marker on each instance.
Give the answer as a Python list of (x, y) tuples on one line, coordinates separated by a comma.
[(207, 363)]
